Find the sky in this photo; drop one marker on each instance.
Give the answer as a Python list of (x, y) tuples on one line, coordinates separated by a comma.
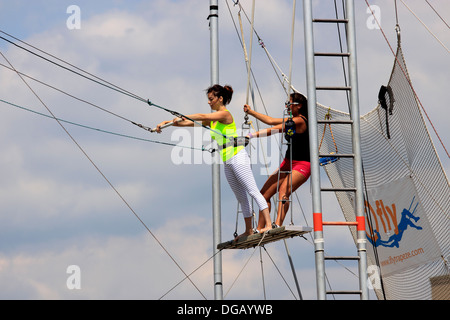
[(58, 211)]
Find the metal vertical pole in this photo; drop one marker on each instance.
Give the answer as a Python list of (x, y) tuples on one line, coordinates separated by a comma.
[(359, 205), (217, 237), (314, 150)]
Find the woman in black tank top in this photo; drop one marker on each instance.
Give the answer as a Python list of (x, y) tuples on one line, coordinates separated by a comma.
[(300, 154)]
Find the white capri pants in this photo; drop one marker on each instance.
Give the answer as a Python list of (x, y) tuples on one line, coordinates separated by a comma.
[(241, 180)]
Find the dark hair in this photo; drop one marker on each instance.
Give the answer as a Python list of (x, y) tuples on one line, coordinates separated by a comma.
[(299, 98), (226, 92)]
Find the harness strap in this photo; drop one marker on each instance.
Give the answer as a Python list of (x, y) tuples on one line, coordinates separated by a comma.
[(236, 142)]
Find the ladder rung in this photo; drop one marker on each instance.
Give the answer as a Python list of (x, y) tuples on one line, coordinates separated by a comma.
[(332, 54), (340, 223), (334, 88), (338, 155), (339, 189), (341, 258), (344, 292), (331, 20), (335, 121)]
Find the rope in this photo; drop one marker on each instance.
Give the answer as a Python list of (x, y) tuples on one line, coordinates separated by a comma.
[(263, 280), (396, 12), (96, 106), (102, 174), (292, 47), (416, 97), (251, 49), (248, 58), (180, 115), (101, 82), (69, 64), (406, 76), (104, 131), (66, 93), (438, 14), (428, 29), (344, 71), (93, 105), (279, 272), (190, 274), (272, 61), (277, 69), (328, 117), (248, 260), (107, 85)]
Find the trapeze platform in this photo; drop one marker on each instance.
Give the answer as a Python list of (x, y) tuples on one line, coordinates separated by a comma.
[(251, 241)]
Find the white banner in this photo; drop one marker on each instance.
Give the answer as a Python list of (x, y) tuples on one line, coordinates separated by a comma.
[(401, 231)]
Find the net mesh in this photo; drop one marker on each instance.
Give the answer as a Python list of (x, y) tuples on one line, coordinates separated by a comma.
[(395, 146)]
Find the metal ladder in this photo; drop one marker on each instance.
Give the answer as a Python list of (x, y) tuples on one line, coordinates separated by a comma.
[(357, 189)]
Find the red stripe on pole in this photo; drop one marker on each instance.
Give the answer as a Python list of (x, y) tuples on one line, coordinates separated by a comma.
[(317, 219), (361, 223)]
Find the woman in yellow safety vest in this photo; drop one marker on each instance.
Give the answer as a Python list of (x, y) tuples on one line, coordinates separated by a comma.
[(236, 160)]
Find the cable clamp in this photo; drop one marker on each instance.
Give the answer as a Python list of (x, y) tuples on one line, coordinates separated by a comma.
[(210, 150), (261, 43), (141, 126)]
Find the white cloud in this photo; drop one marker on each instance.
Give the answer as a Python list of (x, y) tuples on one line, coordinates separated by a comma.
[(135, 267), (57, 210)]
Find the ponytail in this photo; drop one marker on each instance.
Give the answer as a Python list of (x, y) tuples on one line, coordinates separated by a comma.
[(226, 92)]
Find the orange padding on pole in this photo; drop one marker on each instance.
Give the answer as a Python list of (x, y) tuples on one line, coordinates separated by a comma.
[(317, 219), (361, 223)]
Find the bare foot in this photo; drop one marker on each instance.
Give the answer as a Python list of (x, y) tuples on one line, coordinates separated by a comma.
[(245, 234), (267, 228)]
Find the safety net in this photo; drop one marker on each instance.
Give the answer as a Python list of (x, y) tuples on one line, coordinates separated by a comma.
[(407, 197)]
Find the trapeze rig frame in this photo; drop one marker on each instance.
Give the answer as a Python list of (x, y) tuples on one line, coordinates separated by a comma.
[(352, 89)]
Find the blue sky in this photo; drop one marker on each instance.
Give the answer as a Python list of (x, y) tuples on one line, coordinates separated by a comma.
[(58, 211)]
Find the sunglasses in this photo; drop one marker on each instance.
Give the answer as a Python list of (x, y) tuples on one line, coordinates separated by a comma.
[(288, 104)]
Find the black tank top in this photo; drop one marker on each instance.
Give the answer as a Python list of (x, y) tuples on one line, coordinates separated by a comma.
[(300, 146)]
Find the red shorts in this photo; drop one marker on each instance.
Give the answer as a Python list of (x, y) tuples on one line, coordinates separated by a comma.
[(304, 167)]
